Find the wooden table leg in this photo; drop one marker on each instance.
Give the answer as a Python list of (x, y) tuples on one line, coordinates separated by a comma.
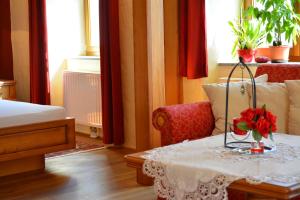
[(143, 179)]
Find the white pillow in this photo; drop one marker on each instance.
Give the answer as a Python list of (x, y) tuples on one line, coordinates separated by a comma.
[(275, 97), (293, 87), (237, 101)]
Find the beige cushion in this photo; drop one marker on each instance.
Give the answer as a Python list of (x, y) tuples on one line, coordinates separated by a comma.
[(237, 101), (275, 97), (293, 88)]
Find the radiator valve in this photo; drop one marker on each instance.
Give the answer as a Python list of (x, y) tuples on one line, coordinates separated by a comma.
[(94, 133)]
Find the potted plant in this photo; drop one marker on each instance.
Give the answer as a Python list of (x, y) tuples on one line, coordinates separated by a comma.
[(248, 37), (281, 24)]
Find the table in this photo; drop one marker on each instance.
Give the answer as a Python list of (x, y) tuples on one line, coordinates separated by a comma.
[(273, 190), (8, 89)]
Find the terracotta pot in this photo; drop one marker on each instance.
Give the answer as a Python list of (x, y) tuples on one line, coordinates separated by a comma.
[(246, 54), (263, 51), (279, 54)]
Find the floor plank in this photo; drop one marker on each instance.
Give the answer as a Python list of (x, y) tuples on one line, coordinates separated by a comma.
[(83, 143), (94, 175)]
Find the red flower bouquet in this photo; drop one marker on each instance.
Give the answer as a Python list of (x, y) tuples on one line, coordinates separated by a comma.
[(261, 122)]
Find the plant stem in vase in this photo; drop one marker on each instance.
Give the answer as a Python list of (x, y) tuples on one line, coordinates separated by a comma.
[(257, 147)]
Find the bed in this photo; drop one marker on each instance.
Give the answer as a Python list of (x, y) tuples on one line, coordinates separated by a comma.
[(28, 132)]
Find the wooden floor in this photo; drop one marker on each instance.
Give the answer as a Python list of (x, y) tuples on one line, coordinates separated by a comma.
[(83, 142), (100, 174)]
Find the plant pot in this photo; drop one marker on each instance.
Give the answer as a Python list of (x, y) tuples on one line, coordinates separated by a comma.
[(264, 51), (279, 54), (246, 54)]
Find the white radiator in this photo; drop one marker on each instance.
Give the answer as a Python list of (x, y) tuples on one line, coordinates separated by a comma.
[(82, 97)]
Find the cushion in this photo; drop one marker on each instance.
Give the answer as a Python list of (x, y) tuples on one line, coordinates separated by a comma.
[(275, 97), (237, 101), (293, 88)]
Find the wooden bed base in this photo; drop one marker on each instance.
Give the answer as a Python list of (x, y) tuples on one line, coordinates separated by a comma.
[(23, 148)]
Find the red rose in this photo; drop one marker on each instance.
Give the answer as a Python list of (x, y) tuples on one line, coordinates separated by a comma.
[(263, 127), (258, 119), (271, 118), (248, 114), (260, 112), (236, 130), (251, 124), (274, 128)]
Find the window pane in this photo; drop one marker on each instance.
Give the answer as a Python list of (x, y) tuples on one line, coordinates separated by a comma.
[(94, 17)]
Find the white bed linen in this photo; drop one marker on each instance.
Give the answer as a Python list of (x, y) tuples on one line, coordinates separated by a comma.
[(13, 113)]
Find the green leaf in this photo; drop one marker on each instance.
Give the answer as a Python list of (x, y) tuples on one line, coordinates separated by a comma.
[(269, 37), (271, 136), (268, 5), (256, 12), (243, 126), (256, 136), (249, 11)]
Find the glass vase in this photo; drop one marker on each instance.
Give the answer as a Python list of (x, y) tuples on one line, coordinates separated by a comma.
[(257, 147)]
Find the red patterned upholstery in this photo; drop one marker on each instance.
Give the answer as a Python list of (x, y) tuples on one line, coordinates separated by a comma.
[(279, 72), (190, 121), (180, 122)]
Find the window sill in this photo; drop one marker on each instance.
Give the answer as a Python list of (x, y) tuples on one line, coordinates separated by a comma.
[(252, 64), (86, 58), (231, 64), (88, 64)]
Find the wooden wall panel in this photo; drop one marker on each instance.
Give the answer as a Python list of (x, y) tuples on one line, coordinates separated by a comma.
[(295, 50), (141, 74), (247, 3), (172, 78), (127, 66), (148, 63), (156, 63)]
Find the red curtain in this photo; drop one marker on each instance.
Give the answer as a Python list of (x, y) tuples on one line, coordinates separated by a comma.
[(39, 72), (192, 39), (6, 57), (112, 108)]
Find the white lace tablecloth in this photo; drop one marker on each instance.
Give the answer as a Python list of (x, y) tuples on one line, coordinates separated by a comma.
[(202, 169)]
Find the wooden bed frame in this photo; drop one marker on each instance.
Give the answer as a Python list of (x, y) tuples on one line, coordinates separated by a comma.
[(23, 148)]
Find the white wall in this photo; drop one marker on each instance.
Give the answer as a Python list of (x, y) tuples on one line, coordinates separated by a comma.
[(65, 39), (20, 45)]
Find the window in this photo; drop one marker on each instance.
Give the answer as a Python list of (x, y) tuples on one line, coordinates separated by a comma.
[(92, 27)]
